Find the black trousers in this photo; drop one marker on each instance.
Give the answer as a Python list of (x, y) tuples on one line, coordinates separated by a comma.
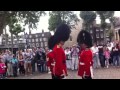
[(57, 77), (102, 60), (40, 68), (33, 65), (15, 71), (87, 77), (21, 69)]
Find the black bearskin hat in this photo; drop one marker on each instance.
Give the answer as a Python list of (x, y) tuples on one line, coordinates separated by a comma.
[(62, 33), (51, 42), (84, 37)]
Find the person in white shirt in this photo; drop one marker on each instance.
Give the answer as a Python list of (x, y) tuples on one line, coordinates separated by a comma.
[(110, 47), (75, 57), (96, 62), (68, 58)]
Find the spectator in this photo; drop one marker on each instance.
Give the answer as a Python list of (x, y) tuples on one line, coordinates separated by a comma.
[(21, 63), (68, 58), (9, 64), (107, 56), (116, 56), (14, 62), (101, 56), (95, 56), (74, 54), (28, 67)]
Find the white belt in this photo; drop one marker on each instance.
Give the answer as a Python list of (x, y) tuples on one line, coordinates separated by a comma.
[(81, 63), (53, 64)]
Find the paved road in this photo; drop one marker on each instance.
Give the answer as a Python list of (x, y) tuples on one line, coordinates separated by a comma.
[(101, 73)]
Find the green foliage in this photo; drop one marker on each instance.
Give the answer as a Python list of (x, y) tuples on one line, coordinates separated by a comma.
[(105, 15), (30, 18), (15, 28), (88, 18), (58, 17), (54, 21)]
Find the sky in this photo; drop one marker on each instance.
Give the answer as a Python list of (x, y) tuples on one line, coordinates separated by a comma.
[(43, 23)]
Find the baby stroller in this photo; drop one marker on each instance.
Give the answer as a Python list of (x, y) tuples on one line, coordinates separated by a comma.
[(2, 70)]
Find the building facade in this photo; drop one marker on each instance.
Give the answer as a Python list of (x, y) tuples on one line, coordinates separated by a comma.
[(97, 34), (26, 41), (38, 39), (95, 31)]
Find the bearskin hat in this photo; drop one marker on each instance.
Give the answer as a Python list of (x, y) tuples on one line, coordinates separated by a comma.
[(51, 42), (62, 33), (84, 37)]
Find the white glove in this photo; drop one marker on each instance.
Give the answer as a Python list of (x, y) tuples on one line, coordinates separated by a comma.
[(49, 72), (82, 63)]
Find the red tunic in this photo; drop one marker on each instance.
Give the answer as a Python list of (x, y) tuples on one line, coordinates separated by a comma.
[(85, 62), (60, 61), (50, 61)]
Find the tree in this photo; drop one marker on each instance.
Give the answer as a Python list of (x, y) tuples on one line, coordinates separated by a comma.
[(112, 21), (30, 18), (88, 18), (103, 16), (58, 17), (15, 29)]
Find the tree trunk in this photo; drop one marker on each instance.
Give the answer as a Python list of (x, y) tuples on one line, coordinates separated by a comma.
[(12, 42), (113, 31), (5, 37), (18, 42), (104, 35), (104, 30)]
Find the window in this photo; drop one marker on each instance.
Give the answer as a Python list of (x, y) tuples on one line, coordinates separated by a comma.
[(26, 36), (20, 41), (19, 36), (36, 39), (101, 35), (36, 35), (70, 38), (37, 44), (13, 42), (98, 42), (46, 44), (108, 39), (33, 45), (9, 42), (91, 31), (97, 35), (42, 35), (41, 44), (15, 37), (92, 37), (40, 39), (30, 36), (44, 39), (32, 40), (29, 40), (3, 40)]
